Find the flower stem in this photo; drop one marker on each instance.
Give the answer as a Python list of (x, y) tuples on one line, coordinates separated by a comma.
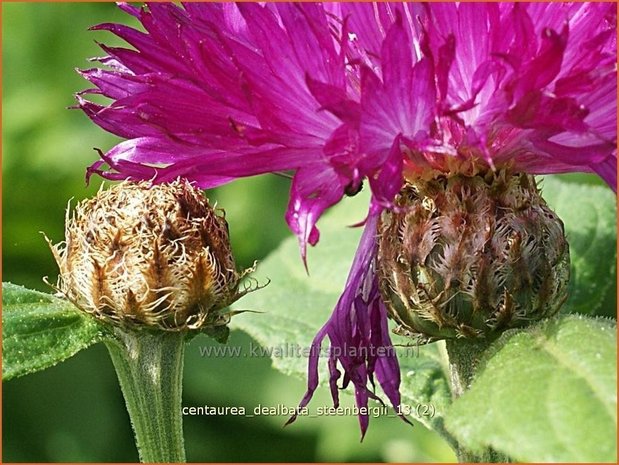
[(464, 358), (150, 370)]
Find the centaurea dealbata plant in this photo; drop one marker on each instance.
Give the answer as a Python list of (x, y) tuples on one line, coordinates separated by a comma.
[(445, 111)]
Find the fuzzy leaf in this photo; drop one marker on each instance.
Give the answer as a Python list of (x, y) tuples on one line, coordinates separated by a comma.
[(546, 394), (40, 330), (296, 305), (589, 213)]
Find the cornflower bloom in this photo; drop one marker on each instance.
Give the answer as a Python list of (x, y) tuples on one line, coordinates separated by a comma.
[(424, 102)]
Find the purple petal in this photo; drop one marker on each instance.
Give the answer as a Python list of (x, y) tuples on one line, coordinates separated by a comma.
[(607, 170), (403, 104), (389, 180), (358, 335), (313, 190), (335, 100)]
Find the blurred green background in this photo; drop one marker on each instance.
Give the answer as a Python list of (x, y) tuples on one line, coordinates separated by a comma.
[(74, 412)]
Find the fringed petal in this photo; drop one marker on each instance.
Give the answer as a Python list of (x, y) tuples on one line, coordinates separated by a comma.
[(358, 336)]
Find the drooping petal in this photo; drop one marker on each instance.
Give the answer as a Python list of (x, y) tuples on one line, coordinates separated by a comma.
[(358, 335), (313, 190)]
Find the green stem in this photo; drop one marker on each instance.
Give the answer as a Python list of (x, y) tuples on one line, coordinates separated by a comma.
[(464, 358), (150, 370)]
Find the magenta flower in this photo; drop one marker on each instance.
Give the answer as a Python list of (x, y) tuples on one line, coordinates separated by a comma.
[(341, 93)]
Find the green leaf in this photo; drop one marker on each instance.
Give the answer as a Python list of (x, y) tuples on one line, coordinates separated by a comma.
[(545, 394), (40, 330), (589, 213), (295, 306)]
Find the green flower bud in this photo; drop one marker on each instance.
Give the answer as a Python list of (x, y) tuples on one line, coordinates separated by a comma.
[(471, 256), (156, 256)]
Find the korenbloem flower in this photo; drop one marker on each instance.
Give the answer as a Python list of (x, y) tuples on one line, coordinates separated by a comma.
[(346, 92)]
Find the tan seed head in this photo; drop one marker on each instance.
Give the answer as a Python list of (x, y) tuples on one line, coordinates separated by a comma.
[(151, 255)]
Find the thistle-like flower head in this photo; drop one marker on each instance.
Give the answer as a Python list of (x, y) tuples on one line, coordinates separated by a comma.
[(471, 256), (155, 256)]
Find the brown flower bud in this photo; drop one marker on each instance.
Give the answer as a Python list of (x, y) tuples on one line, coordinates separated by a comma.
[(151, 255), (471, 256)]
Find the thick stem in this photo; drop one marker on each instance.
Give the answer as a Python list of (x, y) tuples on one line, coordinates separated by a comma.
[(150, 370), (464, 357)]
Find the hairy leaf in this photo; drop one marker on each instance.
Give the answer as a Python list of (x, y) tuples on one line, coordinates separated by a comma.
[(546, 394), (40, 330), (589, 213)]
